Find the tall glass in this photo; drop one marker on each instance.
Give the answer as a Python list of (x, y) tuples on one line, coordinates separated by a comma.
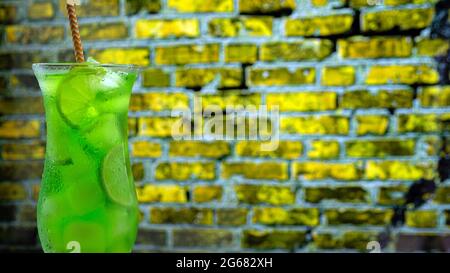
[(87, 201)]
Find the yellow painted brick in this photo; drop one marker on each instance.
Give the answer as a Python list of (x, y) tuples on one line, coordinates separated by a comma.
[(381, 98), (282, 216), (160, 126), (207, 193), (215, 149), (185, 171), (186, 54), (435, 96), (286, 149), (324, 149), (103, 31), (256, 194), (137, 56), (304, 101), (422, 218), (308, 49), (231, 99), (154, 77), (242, 53), (250, 170), (320, 171), (146, 149), (94, 8), (167, 28), (196, 216), (398, 170), (162, 194), (201, 5), (8, 13), (138, 171), (403, 2), (41, 10), (338, 75), (132, 126), (380, 148), (21, 105), (374, 47), (22, 34), (148, 6), (372, 124), (281, 76), (372, 217), (319, 3), (265, 6), (418, 123), (12, 191), (198, 77), (241, 26), (22, 151), (432, 47), (403, 19), (19, 128), (238, 127), (320, 125), (319, 26), (161, 101), (402, 74)]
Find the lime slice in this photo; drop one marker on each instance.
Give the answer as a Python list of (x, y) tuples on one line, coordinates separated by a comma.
[(115, 176), (76, 97)]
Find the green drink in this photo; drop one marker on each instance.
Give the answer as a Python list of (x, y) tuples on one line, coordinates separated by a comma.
[(87, 201)]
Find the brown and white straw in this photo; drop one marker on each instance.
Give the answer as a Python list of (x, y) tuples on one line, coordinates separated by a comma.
[(77, 45)]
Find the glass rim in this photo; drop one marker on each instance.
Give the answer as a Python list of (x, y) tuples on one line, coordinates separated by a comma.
[(68, 65)]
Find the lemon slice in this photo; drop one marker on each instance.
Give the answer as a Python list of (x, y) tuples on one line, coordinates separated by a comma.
[(115, 176), (76, 97)]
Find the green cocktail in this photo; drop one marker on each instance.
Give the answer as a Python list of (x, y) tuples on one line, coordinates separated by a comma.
[(87, 201)]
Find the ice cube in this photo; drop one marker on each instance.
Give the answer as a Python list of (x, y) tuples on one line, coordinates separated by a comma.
[(109, 83), (122, 223), (106, 133), (92, 60), (89, 235), (85, 195), (53, 212)]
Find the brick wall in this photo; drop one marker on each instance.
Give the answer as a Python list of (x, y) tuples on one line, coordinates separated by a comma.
[(364, 97)]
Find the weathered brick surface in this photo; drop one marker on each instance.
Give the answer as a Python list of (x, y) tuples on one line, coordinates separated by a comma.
[(374, 47), (364, 100), (205, 237), (305, 101), (280, 216), (104, 31), (264, 170), (41, 11), (266, 6), (401, 18), (167, 28), (402, 74), (319, 26), (162, 193), (358, 217), (146, 6), (19, 34), (311, 49), (281, 76), (181, 216), (319, 170), (242, 26), (273, 239), (185, 54), (137, 56)]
